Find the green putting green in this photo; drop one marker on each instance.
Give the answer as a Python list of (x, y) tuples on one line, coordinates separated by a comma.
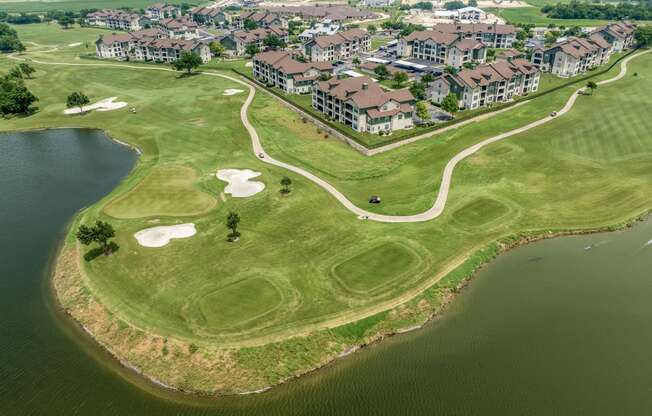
[(167, 191)]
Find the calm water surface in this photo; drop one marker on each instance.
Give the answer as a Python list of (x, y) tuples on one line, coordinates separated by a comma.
[(559, 327)]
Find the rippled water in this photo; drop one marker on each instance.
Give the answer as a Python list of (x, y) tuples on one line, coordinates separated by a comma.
[(558, 327)]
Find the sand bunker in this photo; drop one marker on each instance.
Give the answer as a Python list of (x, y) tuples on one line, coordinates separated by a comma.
[(161, 235), (249, 64), (102, 105), (74, 44), (239, 184), (232, 91)]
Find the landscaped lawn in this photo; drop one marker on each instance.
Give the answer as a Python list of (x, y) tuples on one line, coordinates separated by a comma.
[(534, 16), (303, 259)]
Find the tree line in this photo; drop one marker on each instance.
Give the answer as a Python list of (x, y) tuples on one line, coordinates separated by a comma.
[(583, 10)]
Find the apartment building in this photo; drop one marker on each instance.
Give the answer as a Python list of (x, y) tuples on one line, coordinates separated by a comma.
[(263, 19), (148, 45), (180, 28), (207, 15), (441, 48), (363, 105), (114, 19), (279, 69), (333, 12), (341, 45), (573, 56), (324, 28), (492, 35), (620, 35), (160, 11), (496, 82), (240, 40)]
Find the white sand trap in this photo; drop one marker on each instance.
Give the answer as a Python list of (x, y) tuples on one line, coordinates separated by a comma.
[(102, 105), (232, 91), (161, 235), (249, 64), (74, 44), (239, 184)]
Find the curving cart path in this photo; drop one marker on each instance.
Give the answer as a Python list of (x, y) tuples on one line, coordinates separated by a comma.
[(444, 188)]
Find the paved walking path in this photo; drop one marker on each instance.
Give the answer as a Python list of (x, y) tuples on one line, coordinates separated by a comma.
[(444, 188)]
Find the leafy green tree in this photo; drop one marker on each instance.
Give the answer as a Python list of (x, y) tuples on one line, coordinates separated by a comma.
[(217, 49), (473, 3), (427, 78), (454, 5), (324, 76), (99, 233), (422, 111), (26, 69), (592, 86), (418, 89), (232, 221), (381, 72), (187, 61), (250, 24), (252, 49), (77, 99), (15, 98), (450, 103), (643, 35), (15, 72), (372, 29), (449, 69), (274, 42), (9, 40), (399, 78), (355, 60), (66, 21), (286, 183)]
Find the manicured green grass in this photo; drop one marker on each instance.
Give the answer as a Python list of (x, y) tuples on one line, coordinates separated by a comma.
[(44, 6), (534, 16), (376, 266), (168, 191), (377, 42), (304, 259)]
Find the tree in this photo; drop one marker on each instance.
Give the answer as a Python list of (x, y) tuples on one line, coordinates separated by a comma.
[(66, 21), (372, 29), (217, 49), (15, 98), (427, 78), (449, 69), (355, 60), (450, 103), (454, 5), (250, 24), (643, 36), (473, 3), (99, 233), (9, 39), (592, 86), (232, 221), (274, 42), (422, 111), (15, 72), (381, 72), (286, 182), (252, 49), (187, 61), (399, 78), (77, 99), (418, 90), (26, 69), (324, 76)]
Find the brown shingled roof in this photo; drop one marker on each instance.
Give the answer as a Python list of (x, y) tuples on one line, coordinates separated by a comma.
[(364, 92), (340, 38), (475, 28)]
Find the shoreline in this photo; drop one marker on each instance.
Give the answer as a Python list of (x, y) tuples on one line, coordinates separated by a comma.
[(501, 245)]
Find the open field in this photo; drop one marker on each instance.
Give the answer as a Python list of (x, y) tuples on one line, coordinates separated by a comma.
[(44, 6), (304, 264), (534, 16)]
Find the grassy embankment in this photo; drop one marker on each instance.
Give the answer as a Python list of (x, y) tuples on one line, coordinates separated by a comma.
[(64, 5), (209, 315)]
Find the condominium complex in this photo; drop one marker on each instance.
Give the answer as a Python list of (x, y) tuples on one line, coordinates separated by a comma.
[(279, 69), (441, 48), (341, 45), (335, 13), (239, 41), (262, 19), (573, 56), (620, 35), (160, 11), (492, 35), (496, 82), (114, 19), (148, 45), (180, 28), (363, 105)]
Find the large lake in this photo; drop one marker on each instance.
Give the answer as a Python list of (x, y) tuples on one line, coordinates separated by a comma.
[(560, 327)]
